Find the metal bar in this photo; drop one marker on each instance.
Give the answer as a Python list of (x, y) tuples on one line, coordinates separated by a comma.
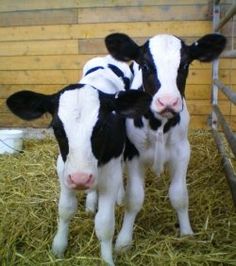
[(228, 92), (228, 168), (215, 68), (230, 13), (229, 54), (229, 135)]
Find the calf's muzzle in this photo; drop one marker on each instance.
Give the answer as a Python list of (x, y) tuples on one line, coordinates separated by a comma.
[(80, 181)]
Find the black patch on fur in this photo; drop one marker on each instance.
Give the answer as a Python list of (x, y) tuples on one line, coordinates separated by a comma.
[(130, 150), (61, 137), (72, 87), (132, 68), (208, 48), (171, 123), (154, 123), (151, 82), (121, 75), (183, 69), (108, 136), (29, 105), (93, 70), (138, 122)]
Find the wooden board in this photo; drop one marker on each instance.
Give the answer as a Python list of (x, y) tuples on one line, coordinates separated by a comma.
[(138, 29), (40, 77), (13, 5), (40, 17), (47, 47), (10, 120), (44, 62), (143, 13)]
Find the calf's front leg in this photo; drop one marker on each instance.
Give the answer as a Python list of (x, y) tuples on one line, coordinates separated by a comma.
[(67, 208), (178, 193), (108, 187), (134, 198)]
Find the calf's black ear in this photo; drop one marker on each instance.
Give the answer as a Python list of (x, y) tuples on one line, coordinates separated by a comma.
[(29, 105), (122, 47), (132, 103), (208, 48)]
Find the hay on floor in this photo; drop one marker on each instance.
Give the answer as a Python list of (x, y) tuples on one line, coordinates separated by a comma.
[(28, 214)]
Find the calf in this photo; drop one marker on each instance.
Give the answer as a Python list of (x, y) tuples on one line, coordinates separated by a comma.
[(160, 136), (89, 126)]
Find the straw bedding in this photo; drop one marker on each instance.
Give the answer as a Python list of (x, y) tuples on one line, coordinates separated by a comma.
[(28, 214)]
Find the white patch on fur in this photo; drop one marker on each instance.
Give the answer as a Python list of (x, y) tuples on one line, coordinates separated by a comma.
[(165, 50), (78, 111), (105, 79)]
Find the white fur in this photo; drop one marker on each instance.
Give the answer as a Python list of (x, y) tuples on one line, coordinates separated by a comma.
[(78, 111), (165, 50)]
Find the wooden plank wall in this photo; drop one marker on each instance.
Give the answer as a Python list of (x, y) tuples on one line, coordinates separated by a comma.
[(44, 45)]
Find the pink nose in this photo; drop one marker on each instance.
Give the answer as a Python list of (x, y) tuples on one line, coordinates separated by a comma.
[(168, 102), (80, 181)]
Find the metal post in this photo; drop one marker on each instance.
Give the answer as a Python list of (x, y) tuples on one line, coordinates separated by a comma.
[(227, 17), (215, 67)]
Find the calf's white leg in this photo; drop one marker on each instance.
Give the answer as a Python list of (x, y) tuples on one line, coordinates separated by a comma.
[(134, 198), (91, 201), (109, 182), (67, 208), (178, 193)]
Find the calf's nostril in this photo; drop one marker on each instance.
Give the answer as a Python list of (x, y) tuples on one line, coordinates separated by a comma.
[(175, 103), (160, 102)]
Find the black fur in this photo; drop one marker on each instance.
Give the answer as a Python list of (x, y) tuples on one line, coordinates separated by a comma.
[(121, 47), (130, 150), (30, 105), (208, 47), (61, 137), (108, 137)]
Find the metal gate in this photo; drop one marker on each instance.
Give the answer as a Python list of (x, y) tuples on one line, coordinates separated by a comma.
[(217, 118)]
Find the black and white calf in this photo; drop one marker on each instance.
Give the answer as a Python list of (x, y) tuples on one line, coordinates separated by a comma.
[(160, 136), (89, 126)]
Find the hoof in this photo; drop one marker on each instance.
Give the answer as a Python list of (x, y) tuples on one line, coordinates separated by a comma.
[(187, 233), (58, 248), (123, 246)]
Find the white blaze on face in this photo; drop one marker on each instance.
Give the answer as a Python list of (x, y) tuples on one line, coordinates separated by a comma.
[(165, 50), (78, 111)]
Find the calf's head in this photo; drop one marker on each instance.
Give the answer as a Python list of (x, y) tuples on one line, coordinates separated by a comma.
[(164, 61), (85, 122)]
